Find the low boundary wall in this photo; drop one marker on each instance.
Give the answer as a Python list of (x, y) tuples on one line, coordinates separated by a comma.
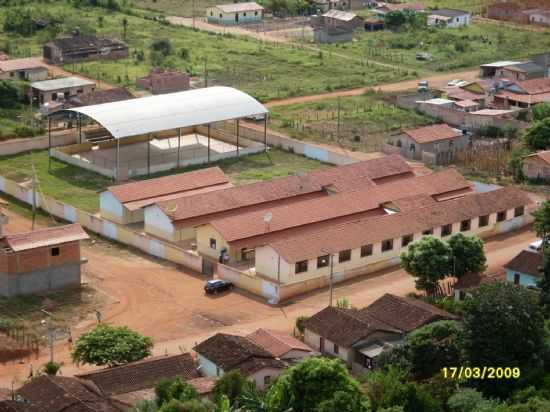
[(105, 228)]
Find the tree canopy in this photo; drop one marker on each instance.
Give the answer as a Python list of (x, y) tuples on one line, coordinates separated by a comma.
[(468, 254), (541, 111), (111, 346), (538, 135)]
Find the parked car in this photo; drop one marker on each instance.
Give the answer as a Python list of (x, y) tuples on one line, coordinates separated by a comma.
[(216, 286), (423, 86), (457, 83), (536, 246), (256, 117), (424, 56)]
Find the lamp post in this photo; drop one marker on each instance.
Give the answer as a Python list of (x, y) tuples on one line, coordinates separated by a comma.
[(331, 287)]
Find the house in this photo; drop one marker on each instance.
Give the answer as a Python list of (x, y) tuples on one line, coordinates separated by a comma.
[(235, 13), (100, 96), (60, 90), (280, 345), (384, 8), (537, 165), (358, 337), (79, 48), (176, 219), (436, 144), (126, 384), (494, 69), (467, 106), (464, 286), (125, 204), (29, 69), (63, 394), (161, 81), (539, 16), (523, 94), (449, 18), (41, 260), (522, 71), (510, 11), (335, 26), (223, 353), (525, 269)]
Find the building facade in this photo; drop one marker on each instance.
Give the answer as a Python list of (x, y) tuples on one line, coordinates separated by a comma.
[(525, 269), (61, 90), (161, 81), (81, 48), (235, 13), (537, 165), (449, 18), (28, 69)]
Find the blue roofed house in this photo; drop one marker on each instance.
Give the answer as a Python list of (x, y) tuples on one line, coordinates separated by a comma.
[(525, 268)]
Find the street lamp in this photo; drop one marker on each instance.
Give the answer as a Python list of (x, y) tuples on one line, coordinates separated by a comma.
[(331, 288)]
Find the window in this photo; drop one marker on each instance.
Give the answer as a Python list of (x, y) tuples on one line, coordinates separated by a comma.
[(217, 371), (412, 148), (501, 216), (55, 251), (465, 225), (366, 250), (399, 144), (221, 16), (446, 230), (301, 266), (211, 13), (80, 91), (519, 211), (517, 278), (428, 232), (255, 13), (344, 256), (387, 245), (244, 14), (267, 379), (405, 240), (212, 243), (483, 221), (323, 261), (336, 348)]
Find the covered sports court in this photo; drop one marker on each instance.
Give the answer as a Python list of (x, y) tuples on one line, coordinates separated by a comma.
[(157, 133)]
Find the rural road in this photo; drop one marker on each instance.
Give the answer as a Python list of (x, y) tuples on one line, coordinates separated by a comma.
[(167, 302)]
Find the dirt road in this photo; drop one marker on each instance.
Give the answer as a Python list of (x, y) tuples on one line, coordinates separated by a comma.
[(167, 302)]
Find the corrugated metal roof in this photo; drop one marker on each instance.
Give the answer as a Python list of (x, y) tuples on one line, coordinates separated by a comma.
[(172, 110), (61, 83)]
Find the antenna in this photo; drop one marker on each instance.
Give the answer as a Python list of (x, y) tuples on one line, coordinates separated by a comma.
[(268, 217)]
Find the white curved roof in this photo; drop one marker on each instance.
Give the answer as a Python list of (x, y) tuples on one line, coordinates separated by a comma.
[(170, 111)]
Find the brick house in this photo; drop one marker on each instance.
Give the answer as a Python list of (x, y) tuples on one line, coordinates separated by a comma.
[(537, 165), (161, 81), (81, 48), (359, 336), (40, 261)]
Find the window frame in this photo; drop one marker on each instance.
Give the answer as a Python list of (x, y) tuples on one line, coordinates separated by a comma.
[(468, 223), (367, 250), (407, 239), (428, 232), (344, 255), (55, 251), (443, 230), (387, 242), (501, 213), (213, 243), (320, 259), (299, 268), (481, 219), (519, 211)]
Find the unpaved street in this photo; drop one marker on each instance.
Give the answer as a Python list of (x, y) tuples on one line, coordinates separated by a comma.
[(167, 303)]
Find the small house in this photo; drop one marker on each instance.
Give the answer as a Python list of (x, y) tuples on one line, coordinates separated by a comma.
[(435, 144), (161, 81), (449, 18), (466, 284), (116, 94), (523, 94), (539, 16), (335, 26), (79, 48), (42, 260), (537, 165), (29, 69), (525, 269), (281, 345), (522, 71), (359, 336), (61, 89), (223, 353), (235, 13), (384, 8)]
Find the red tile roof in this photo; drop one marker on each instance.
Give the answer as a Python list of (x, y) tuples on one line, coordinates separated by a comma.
[(343, 178), (433, 133), (45, 237), (535, 86), (543, 155), (203, 385), (143, 374), (277, 343), (473, 280), (150, 190), (461, 94), (248, 225), (524, 98), (527, 262), (376, 229)]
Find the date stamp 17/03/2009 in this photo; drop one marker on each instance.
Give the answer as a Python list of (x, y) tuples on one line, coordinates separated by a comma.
[(480, 372)]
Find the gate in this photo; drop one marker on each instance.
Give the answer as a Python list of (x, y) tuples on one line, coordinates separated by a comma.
[(207, 267)]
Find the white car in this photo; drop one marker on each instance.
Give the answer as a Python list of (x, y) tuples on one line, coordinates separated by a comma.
[(457, 83), (536, 246)]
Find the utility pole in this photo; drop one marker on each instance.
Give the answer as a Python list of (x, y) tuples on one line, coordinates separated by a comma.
[(338, 124), (33, 195), (193, 11), (331, 283), (205, 71)]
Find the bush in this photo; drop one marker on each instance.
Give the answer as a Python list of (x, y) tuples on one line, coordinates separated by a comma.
[(51, 368), (301, 323)]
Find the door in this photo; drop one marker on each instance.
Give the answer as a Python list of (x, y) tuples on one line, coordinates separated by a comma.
[(207, 267), (322, 345), (236, 17), (516, 278)]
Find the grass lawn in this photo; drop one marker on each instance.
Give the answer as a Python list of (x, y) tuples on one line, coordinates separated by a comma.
[(475, 6), (80, 187), (176, 7), (452, 49), (365, 121)]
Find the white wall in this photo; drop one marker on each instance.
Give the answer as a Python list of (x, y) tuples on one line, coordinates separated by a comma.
[(267, 264), (208, 368), (110, 207), (259, 377), (158, 224)]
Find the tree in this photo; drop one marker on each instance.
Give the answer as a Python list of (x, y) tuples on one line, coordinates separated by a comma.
[(432, 347), (10, 94), (232, 384), (542, 228), (305, 386), (538, 135), (111, 345), (301, 323), (542, 222), (169, 389), (541, 111), (194, 405), (468, 255), (465, 400), (341, 402), (51, 368), (124, 27), (503, 325), (429, 261)]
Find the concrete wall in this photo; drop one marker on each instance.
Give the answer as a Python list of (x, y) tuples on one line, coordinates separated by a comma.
[(534, 167), (217, 16), (112, 209), (525, 279), (15, 146), (459, 21), (209, 368), (442, 152)]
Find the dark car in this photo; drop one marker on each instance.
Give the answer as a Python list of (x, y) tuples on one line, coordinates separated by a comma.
[(216, 286)]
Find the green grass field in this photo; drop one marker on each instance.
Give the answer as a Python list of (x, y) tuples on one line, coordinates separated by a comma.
[(365, 121), (80, 187), (452, 49), (176, 7)]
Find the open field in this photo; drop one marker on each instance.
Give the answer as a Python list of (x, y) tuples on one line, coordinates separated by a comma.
[(80, 187), (365, 121), (176, 7), (452, 49), (475, 6)]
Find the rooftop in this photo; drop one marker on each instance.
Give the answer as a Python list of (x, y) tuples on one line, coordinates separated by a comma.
[(543, 155), (434, 133), (102, 96), (45, 237), (527, 262), (449, 12), (143, 374), (277, 343), (85, 42), (61, 83), (503, 63), (467, 103), (474, 280), (21, 64), (340, 15), (527, 67), (136, 195), (534, 86), (354, 234), (239, 7)]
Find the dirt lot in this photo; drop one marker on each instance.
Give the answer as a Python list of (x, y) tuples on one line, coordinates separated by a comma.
[(167, 302)]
